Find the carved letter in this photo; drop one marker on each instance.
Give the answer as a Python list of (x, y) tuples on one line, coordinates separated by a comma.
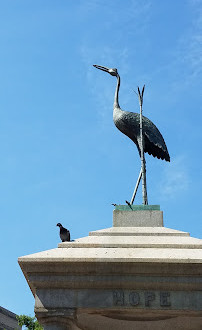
[(149, 296), (164, 299), (134, 298), (118, 298)]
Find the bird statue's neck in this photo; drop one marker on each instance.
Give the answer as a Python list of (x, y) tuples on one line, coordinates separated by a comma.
[(116, 96)]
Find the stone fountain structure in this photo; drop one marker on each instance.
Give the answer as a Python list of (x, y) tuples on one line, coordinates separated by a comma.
[(137, 274)]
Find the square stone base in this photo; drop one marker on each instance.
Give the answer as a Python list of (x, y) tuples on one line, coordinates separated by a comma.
[(137, 216)]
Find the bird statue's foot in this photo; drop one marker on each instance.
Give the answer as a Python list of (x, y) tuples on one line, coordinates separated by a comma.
[(129, 204)]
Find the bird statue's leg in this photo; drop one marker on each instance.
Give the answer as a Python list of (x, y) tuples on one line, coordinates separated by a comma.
[(144, 185), (136, 187)]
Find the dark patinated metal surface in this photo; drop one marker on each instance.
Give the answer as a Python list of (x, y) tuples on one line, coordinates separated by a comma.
[(141, 131), (129, 124)]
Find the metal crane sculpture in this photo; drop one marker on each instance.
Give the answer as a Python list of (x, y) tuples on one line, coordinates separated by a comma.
[(140, 130)]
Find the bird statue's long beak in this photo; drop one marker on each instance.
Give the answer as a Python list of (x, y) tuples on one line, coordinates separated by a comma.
[(103, 68)]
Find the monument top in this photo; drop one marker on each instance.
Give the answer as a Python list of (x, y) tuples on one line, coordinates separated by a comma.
[(137, 269)]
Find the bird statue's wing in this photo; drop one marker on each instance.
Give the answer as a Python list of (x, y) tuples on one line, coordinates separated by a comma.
[(129, 124), (154, 141)]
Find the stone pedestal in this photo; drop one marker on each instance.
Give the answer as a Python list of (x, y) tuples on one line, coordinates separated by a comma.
[(135, 275)]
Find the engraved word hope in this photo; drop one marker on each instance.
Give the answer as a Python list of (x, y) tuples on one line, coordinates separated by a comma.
[(134, 298)]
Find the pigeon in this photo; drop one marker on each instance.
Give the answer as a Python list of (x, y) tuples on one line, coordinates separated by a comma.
[(64, 233)]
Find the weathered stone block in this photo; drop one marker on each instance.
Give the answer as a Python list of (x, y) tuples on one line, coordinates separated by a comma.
[(148, 218)]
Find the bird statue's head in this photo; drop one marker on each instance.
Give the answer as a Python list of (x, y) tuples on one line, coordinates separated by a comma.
[(59, 224), (112, 72)]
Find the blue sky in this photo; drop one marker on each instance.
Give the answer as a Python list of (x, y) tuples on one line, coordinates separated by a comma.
[(62, 158)]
